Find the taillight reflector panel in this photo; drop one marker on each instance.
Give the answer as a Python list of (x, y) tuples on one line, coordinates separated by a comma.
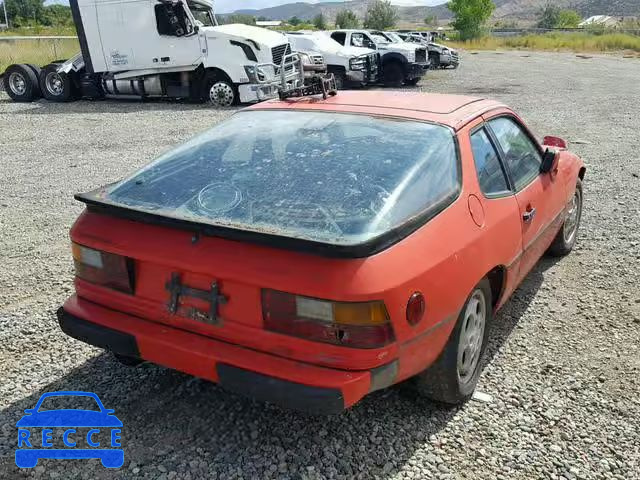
[(356, 325), (102, 268)]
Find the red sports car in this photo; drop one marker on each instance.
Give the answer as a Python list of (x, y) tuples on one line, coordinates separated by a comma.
[(307, 252)]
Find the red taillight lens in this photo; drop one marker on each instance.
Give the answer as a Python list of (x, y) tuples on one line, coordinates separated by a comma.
[(415, 308), (356, 325), (102, 268)]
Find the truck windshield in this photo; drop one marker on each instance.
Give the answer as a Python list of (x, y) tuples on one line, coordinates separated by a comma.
[(339, 179)]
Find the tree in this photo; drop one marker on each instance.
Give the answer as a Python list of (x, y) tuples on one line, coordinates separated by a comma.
[(347, 19), (294, 21), (381, 15), (25, 11), (238, 18), (471, 16), (554, 17), (319, 22), (431, 20)]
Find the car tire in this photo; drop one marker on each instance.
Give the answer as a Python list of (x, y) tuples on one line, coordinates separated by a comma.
[(56, 86), (393, 75), (21, 83), (219, 91), (413, 82), (452, 379), (568, 235)]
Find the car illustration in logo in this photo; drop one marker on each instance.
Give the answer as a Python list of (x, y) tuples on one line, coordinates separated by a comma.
[(82, 433)]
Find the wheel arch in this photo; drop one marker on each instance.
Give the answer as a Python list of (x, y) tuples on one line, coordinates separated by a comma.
[(582, 173), (497, 277)]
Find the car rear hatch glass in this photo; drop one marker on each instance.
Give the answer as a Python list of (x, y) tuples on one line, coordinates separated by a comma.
[(335, 179)]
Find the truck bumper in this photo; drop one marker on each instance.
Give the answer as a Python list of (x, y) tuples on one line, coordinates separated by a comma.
[(288, 383), (252, 93)]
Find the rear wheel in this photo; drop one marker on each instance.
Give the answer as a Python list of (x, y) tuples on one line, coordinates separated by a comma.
[(454, 376), (393, 75), (568, 235), (56, 86), (21, 83), (219, 91)]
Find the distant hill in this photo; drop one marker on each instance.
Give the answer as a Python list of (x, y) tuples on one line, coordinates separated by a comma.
[(525, 10)]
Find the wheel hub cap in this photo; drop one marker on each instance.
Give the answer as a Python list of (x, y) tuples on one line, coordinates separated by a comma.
[(471, 336), (17, 83), (54, 83), (573, 218), (221, 94)]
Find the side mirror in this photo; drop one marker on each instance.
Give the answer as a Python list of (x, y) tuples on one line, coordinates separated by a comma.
[(550, 161), (557, 142)]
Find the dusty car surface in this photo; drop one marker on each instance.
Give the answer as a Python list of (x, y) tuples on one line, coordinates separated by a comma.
[(307, 252)]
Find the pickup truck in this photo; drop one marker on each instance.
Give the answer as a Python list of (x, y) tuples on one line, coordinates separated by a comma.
[(440, 55), (401, 63), (351, 66)]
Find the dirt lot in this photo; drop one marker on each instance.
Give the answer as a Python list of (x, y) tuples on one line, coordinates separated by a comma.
[(563, 369)]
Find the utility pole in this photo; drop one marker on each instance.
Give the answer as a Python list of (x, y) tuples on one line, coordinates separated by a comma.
[(6, 19)]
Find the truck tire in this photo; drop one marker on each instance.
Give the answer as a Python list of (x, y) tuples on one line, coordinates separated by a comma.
[(219, 90), (452, 379), (413, 82), (21, 83), (393, 74), (435, 60), (56, 86)]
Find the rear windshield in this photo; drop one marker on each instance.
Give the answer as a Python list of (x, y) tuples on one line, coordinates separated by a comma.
[(338, 179)]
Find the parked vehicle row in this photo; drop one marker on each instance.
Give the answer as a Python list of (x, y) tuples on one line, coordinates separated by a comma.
[(176, 49)]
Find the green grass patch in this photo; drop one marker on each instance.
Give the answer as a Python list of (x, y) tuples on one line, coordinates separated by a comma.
[(38, 52), (576, 42)]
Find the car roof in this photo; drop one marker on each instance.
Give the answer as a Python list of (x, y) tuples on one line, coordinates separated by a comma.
[(454, 111)]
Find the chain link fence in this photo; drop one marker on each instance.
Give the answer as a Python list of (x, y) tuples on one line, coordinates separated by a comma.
[(36, 50)]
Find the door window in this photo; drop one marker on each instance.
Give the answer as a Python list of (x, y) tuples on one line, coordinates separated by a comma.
[(339, 37), (491, 176), (521, 155), (172, 20)]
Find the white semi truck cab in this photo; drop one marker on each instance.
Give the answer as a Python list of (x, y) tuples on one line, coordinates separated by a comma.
[(163, 48)]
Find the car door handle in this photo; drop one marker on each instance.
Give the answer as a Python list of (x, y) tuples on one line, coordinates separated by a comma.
[(529, 215)]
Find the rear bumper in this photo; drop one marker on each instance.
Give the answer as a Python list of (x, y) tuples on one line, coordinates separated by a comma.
[(288, 383)]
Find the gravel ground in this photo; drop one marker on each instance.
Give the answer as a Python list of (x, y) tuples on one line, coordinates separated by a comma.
[(563, 368)]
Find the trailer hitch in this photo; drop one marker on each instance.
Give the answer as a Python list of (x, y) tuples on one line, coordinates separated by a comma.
[(177, 289)]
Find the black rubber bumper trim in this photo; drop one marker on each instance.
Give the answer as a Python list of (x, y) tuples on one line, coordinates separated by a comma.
[(295, 396), (97, 335)]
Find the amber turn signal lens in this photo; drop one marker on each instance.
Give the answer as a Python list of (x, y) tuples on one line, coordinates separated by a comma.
[(102, 268), (415, 308)]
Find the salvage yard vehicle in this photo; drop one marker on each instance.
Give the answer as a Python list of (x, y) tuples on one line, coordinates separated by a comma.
[(351, 66), (174, 49), (400, 63), (308, 252), (440, 56)]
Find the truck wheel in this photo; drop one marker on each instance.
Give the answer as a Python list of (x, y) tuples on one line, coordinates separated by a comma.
[(56, 86), (219, 91), (435, 61), (413, 82), (21, 83), (393, 75), (454, 376)]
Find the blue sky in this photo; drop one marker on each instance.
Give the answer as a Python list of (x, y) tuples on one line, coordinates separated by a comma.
[(224, 6)]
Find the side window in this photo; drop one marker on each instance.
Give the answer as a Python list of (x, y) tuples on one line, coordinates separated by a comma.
[(490, 174), (339, 37), (357, 40), (172, 20), (522, 157)]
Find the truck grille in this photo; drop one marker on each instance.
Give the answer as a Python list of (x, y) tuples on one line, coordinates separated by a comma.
[(421, 55), (279, 52)]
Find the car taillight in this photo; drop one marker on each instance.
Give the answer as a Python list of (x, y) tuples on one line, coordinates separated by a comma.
[(102, 268), (356, 325)]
